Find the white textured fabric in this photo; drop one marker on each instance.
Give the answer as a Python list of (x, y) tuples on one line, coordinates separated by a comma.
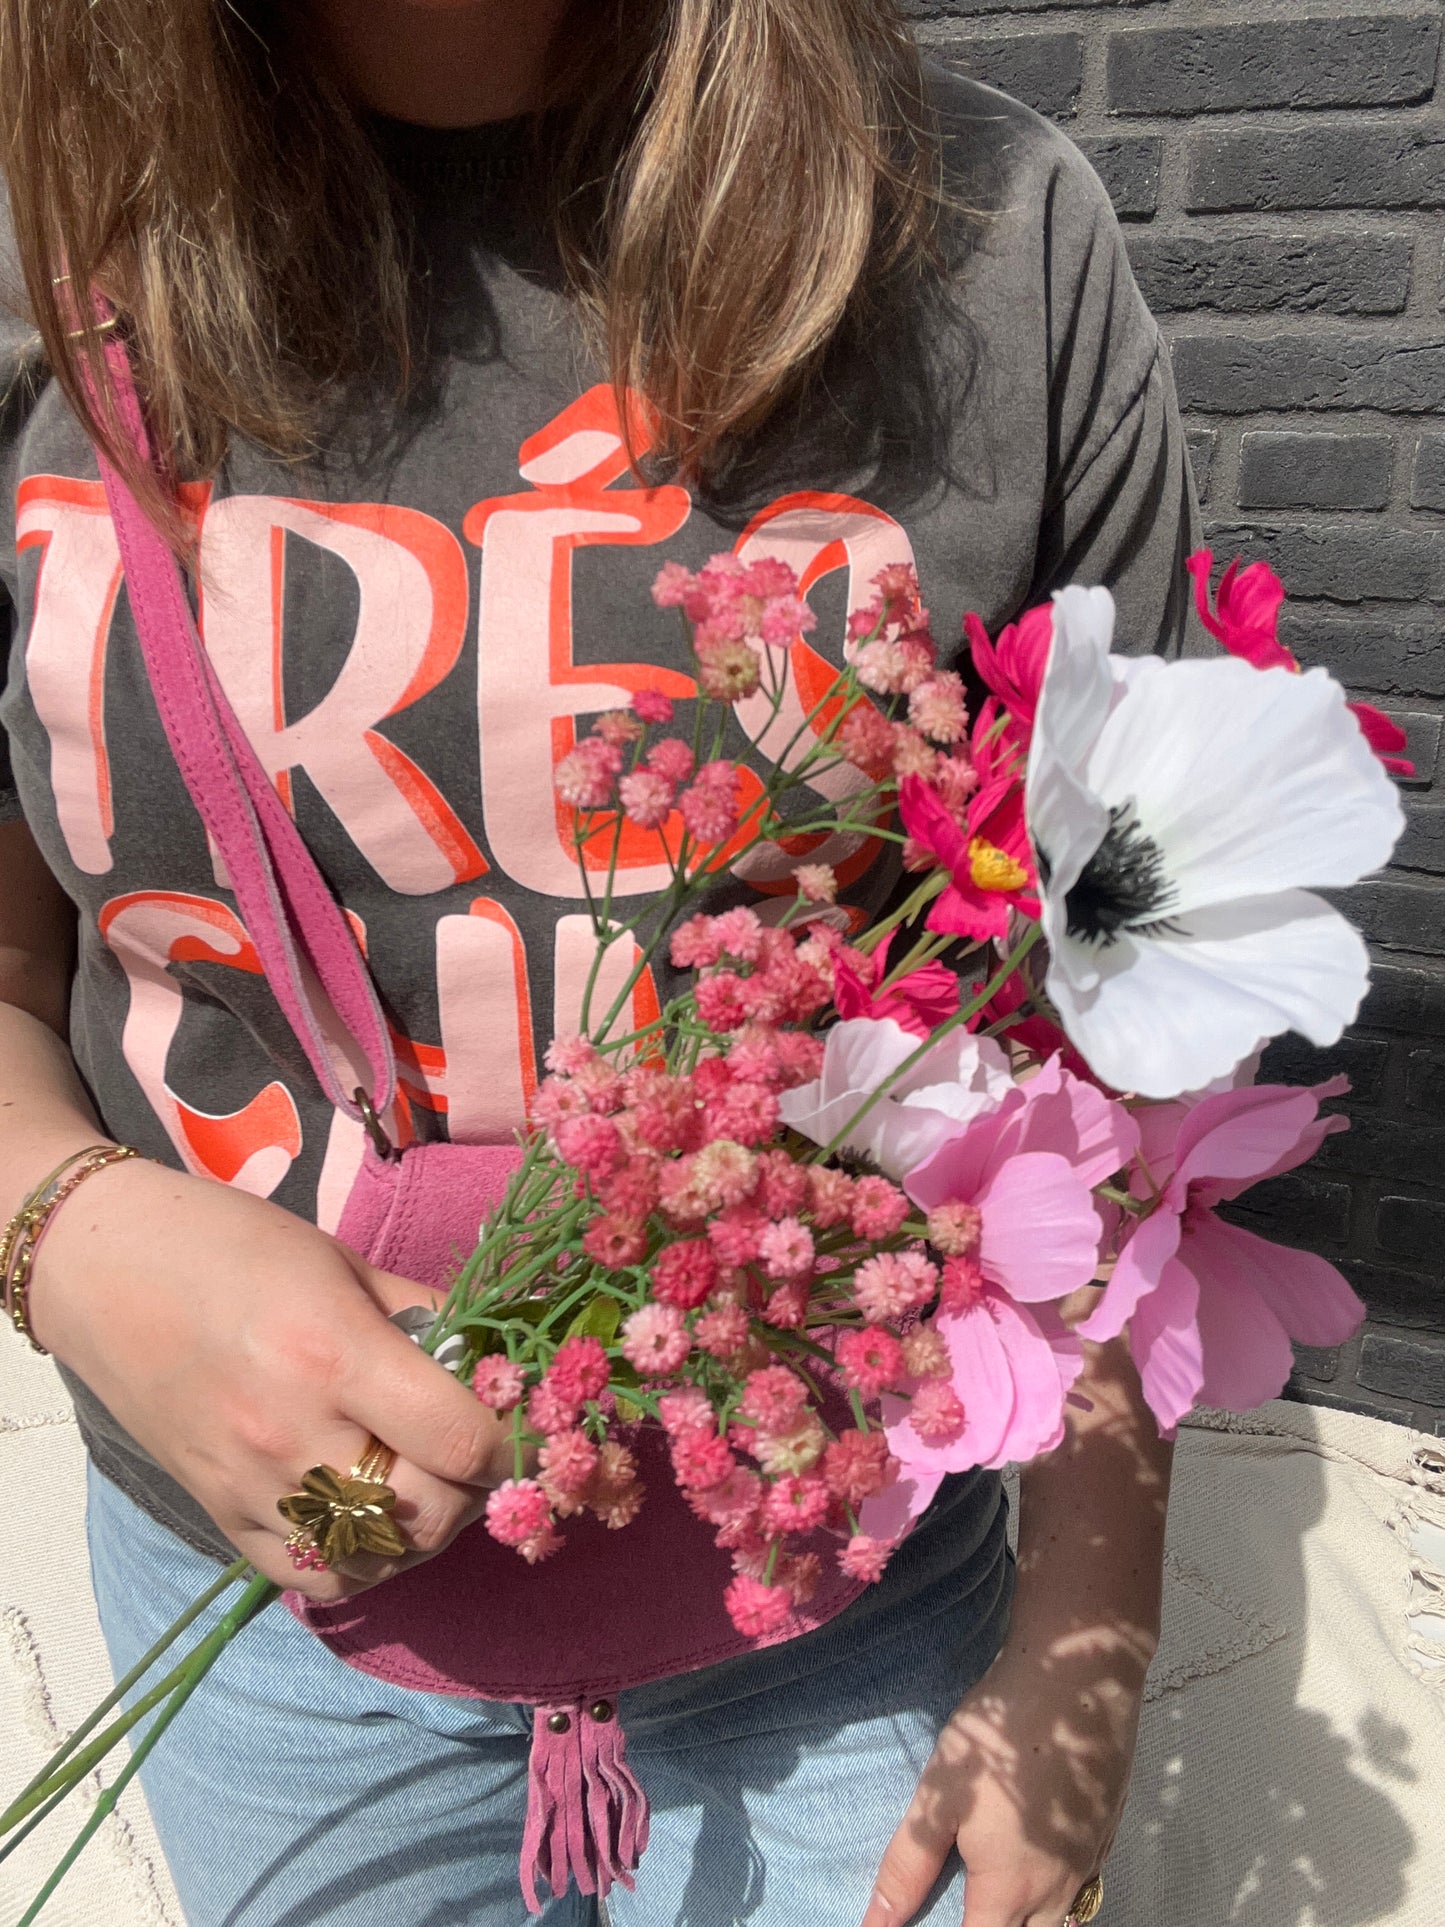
[(1292, 1763)]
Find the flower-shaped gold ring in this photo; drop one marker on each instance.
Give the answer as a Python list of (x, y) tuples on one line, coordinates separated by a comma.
[(337, 1514)]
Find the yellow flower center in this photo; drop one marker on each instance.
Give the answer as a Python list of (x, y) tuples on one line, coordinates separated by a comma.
[(993, 869)]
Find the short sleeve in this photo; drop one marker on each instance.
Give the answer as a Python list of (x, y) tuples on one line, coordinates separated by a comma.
[(1120, 508)]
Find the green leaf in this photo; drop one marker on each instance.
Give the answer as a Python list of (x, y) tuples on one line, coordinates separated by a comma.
[(627, 1411), (599, 1319)]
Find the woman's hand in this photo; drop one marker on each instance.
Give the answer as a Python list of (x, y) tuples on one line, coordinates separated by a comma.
[(1028, 1780), (239, 1345), (1030, 1775)]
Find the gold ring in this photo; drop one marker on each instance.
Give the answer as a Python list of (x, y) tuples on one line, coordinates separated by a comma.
[(1087, 1901), (336, 1514)]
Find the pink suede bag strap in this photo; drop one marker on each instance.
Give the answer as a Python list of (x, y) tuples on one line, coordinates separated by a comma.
[(305, 944)]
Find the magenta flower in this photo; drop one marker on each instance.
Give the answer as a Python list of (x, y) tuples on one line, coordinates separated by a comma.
[(917, 1003), (1245, 620), (1211, 1309), (1013, 667), (988, 859)]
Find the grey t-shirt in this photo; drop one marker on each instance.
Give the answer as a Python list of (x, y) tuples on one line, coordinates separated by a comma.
[(413, 629)]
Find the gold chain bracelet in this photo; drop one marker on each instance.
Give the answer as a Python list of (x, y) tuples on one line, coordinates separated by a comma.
[(21, 1237)]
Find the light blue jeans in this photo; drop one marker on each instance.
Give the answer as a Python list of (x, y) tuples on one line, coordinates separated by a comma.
[(294, 1790)]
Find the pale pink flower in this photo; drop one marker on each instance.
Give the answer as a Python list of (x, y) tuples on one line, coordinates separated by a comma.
[(722, 1329), (724, 1172), (817, 882), (591, 1145), (669, 591), (655, 1340), (631, 1192), (856, 1465), (912, 756), (728, 668), (615, 1242), (786, 1305), (568, 1460), (865, 739), (774, 1399), (937, 708), (684, 1409), (745, 1113), (796, 1451), (753, 1055), (865, 1558), (694, 944), (712, 805), (954, 1227), (700, 1458), (830, 1196), (955, 778), (924, 1354), (651, 704), (568, 1055), (736, 1233), (739, 932), (782, 1184), (885, 1289), (671, 758), (585, 775), (517, 1511), (499, 1382), (879, 1208), (647, 798), (785, 619), (796, 1504), (1211, 1309), (558, 1098), (936, 1412), (785, 1250)]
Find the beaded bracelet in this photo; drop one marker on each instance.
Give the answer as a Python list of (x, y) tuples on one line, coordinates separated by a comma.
[(21, 1237)]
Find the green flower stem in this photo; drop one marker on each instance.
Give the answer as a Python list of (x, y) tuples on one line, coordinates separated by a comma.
[(237, 1570), (991, 989), (931, 887), (253, 1600), (927, 950)]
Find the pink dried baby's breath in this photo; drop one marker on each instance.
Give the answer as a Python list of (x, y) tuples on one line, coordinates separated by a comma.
[(911, 755), (651, 704), (568, 1460), (817, 882), (671, 586), (683, 1274), (925, 1355), (739, 933), (655, 1340), (724, 1172), (865, 1558), (499, 1382), (631, 1191), (796, 1504), (585, 775), (856, 1465), (736, 1234), (728, 668), (954, 1227), (700, 1458), (782, 1184), (774, 1399), (617, 727), (647, 798), (684, 1409), (955, 779), (518, 1510), (568, 1055), (879, 1208), (671, 758), (830, 1196), (871, 1361), (753, 1055), (695, 944), (801, 1057), (962, 1285), (936, 1413), (758, 1611), (615, 1241), (722, 1329), (937, 708), (745, 1114), (865, 738), (796, 1451), (590, 1144), (786, 1306), (785, 1250), (579, 1369), (711, 807)]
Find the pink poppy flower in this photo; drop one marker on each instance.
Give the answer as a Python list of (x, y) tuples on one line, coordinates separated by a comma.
[(1245, 619), (917, 1003), (990, 864), (1211, 1309), (1013, 667)]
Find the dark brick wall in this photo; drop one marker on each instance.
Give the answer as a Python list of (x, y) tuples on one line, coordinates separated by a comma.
[(1280, 168)]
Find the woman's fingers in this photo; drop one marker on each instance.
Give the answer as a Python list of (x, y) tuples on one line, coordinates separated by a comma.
[(911, 1864)]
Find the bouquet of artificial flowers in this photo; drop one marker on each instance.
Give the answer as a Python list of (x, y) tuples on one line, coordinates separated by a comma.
[(820, 1215)]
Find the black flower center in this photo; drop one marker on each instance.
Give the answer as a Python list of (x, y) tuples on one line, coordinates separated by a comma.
[(1123, 886)]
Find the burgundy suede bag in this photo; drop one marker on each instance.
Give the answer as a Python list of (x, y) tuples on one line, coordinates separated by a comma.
[(611, 1610)]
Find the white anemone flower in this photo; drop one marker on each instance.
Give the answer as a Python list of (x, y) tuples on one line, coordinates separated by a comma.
[(959, 1078), (1181, 813)]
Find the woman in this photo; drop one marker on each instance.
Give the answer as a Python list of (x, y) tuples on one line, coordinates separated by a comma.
[(386, 272)]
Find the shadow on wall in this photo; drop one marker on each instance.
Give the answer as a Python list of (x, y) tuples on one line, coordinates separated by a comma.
[(1259, 1796)]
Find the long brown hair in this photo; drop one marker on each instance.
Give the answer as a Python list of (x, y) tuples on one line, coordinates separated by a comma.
[(734, 177)]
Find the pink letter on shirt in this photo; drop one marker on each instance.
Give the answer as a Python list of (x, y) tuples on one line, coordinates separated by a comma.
[(486, 1024), (252, 1148), (529, 689), (75, 590), (412, 579)]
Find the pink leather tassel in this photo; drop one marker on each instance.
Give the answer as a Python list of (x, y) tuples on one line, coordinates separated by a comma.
[(586, 1813)]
